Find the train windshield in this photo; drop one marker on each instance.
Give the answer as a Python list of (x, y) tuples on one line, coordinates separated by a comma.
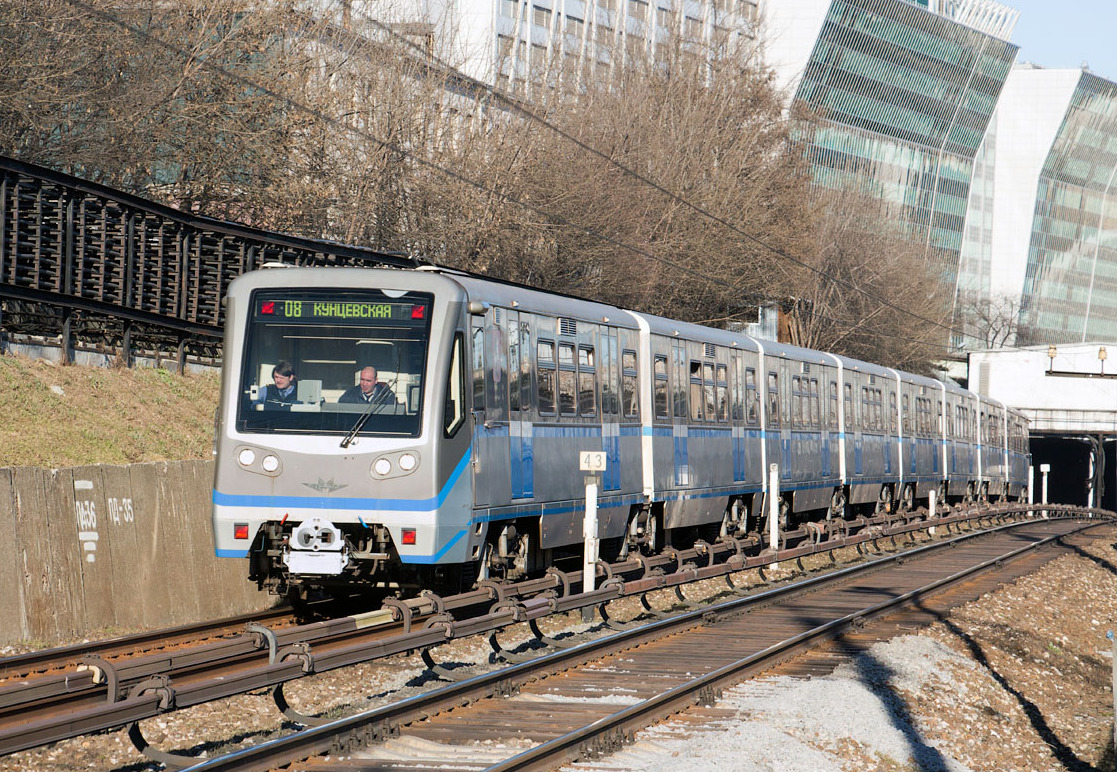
[(316, 361)]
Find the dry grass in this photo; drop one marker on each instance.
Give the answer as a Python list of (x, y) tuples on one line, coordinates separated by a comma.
[(58, 416)]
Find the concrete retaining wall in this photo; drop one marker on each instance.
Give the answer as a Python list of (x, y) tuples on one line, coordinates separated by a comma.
[(104, 549)]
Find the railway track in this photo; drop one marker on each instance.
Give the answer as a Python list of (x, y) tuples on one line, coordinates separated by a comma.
[(108, 693), (591, 699), (20, 667)]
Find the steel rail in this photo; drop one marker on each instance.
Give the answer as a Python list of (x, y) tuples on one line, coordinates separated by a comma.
[(343, 735), (23, 665), (105, 695), (97, 681), (571, 745)]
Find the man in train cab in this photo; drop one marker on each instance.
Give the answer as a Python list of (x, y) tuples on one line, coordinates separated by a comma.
[(283, 391), (368, 389)]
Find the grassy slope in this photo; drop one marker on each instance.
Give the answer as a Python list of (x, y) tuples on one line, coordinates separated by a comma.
[(103, 416)]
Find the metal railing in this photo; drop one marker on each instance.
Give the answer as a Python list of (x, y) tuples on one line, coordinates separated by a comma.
[(84, 262)]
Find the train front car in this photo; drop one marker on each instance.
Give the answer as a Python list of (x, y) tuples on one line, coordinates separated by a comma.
[(343, 451)]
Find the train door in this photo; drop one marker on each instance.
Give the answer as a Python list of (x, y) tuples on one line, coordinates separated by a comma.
[(680, 385), (520, 427), (608, 371), (737, 415), (777, 436), (853, 425), (491, 469)]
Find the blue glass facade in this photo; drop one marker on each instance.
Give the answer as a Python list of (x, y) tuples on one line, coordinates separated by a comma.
[(1070, 286), (905, 97)]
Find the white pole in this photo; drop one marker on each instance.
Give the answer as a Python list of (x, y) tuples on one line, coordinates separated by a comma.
[(589, 533), (1031, 485), (774, 509), (1044, 469), (932, 495)]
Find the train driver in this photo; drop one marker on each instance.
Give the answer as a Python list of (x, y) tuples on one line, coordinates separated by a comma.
[(283, 391), (368, 389)]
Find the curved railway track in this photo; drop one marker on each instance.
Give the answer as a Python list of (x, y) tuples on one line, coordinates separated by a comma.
[(108, 692), (591, 699)]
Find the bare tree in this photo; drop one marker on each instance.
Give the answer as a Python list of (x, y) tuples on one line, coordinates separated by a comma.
[(871, 292), (669, 181), (988, 322)]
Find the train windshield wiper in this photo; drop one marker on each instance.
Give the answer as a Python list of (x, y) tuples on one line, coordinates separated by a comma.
[(372, 409)]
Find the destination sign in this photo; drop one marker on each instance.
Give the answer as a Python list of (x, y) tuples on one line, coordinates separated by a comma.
[(340, 311)]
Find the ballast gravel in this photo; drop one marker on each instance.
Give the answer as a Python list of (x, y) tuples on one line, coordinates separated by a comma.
[(1020, 679)]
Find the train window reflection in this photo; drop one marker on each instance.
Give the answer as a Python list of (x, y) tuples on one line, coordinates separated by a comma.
[(661, 389)]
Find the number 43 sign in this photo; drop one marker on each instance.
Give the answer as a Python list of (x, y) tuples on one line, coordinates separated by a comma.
[(591, 460)]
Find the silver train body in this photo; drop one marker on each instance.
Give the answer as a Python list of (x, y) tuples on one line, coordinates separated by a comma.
[(472, 469)]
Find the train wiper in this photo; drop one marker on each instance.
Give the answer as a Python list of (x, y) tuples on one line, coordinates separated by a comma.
[(372, 409)]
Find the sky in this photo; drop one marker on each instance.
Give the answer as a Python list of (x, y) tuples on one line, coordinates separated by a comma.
[(1065, 33)]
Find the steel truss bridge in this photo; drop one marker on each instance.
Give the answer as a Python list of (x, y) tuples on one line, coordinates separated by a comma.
[(84, 265)]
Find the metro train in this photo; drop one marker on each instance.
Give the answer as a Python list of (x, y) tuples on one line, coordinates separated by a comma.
[(470, 469)]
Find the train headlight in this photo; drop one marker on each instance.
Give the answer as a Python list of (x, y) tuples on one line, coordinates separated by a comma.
[(382, 467), (270, 463), (407, 462), (246, 457)]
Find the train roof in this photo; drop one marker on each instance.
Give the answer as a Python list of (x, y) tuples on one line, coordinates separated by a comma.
[(661, 325), (517, 296)]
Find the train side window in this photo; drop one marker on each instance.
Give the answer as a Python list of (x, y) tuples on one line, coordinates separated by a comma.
[(679, 381), (525, 366), (513, 363), (610, 396), (454, 415), (833, 417), (848, 402), (737, 390), (545, 362), (773, 399), (709, 400), (722, 392), (892, 410), (661, 388), (567, 377), (479, 368), (905, 418), (587, 390), (695, 391), (752, 396), (630, 396), (816, 408), (796, 402)]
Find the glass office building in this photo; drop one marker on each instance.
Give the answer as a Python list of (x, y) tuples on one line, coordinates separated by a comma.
[(905, 97), (1070, 282)]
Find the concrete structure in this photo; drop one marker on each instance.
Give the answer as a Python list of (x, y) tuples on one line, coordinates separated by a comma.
[(112, 548), (1069, 394)]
